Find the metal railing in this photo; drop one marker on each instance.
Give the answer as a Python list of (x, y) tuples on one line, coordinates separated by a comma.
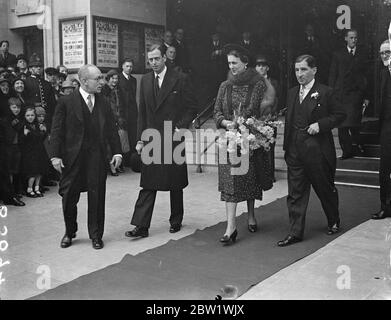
[(197, 124)]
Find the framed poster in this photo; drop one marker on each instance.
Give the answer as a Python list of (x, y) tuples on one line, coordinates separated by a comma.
[(73, 43), (152, 35), (114, 40), (107, 44)]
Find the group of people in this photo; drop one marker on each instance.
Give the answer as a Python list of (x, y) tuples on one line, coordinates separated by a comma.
[(28, 98), (85, 132)]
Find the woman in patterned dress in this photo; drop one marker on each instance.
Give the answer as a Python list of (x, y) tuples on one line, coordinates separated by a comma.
[(241, 94)]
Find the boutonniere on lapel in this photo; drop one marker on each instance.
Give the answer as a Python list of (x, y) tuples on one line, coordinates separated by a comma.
[(316, 96)]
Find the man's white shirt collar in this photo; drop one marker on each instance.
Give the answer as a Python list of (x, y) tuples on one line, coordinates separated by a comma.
[(161, 76), (307, 88), (126, 76), (350, 49), (85, 95)]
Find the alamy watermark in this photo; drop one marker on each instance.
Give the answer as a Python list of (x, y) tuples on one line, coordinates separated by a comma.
[(3, 242), (169, 146)]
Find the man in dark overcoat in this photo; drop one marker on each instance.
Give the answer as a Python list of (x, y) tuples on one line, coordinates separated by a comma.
[(313, 111), (128, 89), (167, 104), (385, 133), (83, 126), (349, 80)]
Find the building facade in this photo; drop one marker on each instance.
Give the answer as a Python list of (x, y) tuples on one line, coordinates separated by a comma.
[(75, 32)]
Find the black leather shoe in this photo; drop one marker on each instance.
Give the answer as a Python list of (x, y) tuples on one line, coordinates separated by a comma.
[(252, 228), (227, 239), (333, 230), (175, 228), (97, 244), (15, 202), (137, 232), (66, 242), (288, 241), (382, 214)]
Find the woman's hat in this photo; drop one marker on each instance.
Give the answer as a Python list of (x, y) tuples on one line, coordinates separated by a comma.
[(262, 60), (3, 79), (40, 111), (233, 46), (67, 84)]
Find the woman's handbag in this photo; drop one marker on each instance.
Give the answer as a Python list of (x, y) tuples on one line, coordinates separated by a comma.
[(264, 168), (123, 137)]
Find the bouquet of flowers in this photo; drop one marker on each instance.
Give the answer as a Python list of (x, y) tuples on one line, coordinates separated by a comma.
[(249, 134)]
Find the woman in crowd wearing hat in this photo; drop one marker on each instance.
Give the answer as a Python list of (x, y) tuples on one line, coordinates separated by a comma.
[(114, 98), (241, 94), (5, 94), (18, 88), (67, 88)]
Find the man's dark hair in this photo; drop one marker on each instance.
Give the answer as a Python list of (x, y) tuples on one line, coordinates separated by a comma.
[(127, 60), (311, 60), (159, 47), (4, 41), (350, 30)]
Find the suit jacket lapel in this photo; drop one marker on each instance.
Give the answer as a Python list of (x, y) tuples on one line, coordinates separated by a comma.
[(291, 103), (78, 100), (311, 102), (168, 83), (100, 109)]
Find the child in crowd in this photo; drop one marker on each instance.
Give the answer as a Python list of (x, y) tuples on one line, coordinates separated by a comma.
[(34, 157), (12, 128)]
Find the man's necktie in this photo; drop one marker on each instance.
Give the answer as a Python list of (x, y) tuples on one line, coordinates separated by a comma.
[(352, 52), (89, 103), (156, 86), (301, 95)]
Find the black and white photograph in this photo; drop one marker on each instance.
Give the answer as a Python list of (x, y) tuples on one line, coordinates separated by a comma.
[(201, 153)]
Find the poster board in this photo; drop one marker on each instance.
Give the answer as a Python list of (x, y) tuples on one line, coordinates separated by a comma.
[(115, 40), (73, 43), (106, 43)]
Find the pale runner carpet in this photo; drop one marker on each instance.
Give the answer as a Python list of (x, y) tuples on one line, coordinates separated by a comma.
[(199, 267)]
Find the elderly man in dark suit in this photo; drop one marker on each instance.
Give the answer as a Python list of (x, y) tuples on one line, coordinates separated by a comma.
[(6, 59), (313, 112), (166, 102), (128, 90), (385, 133), (83, 125), (348, 79)]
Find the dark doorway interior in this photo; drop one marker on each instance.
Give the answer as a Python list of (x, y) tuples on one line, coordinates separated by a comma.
[(278, 26), (32, 41)]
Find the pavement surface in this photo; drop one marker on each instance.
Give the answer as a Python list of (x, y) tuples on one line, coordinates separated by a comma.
[(355, 266)]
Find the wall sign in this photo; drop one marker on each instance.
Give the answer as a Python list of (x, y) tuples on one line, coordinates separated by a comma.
[(107, 44), (73, 43)]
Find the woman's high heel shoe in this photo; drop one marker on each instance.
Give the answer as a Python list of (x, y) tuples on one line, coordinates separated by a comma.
[(227, 239), (252, 228)]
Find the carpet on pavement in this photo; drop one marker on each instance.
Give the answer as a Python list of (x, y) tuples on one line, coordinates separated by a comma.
[(199, 267)]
